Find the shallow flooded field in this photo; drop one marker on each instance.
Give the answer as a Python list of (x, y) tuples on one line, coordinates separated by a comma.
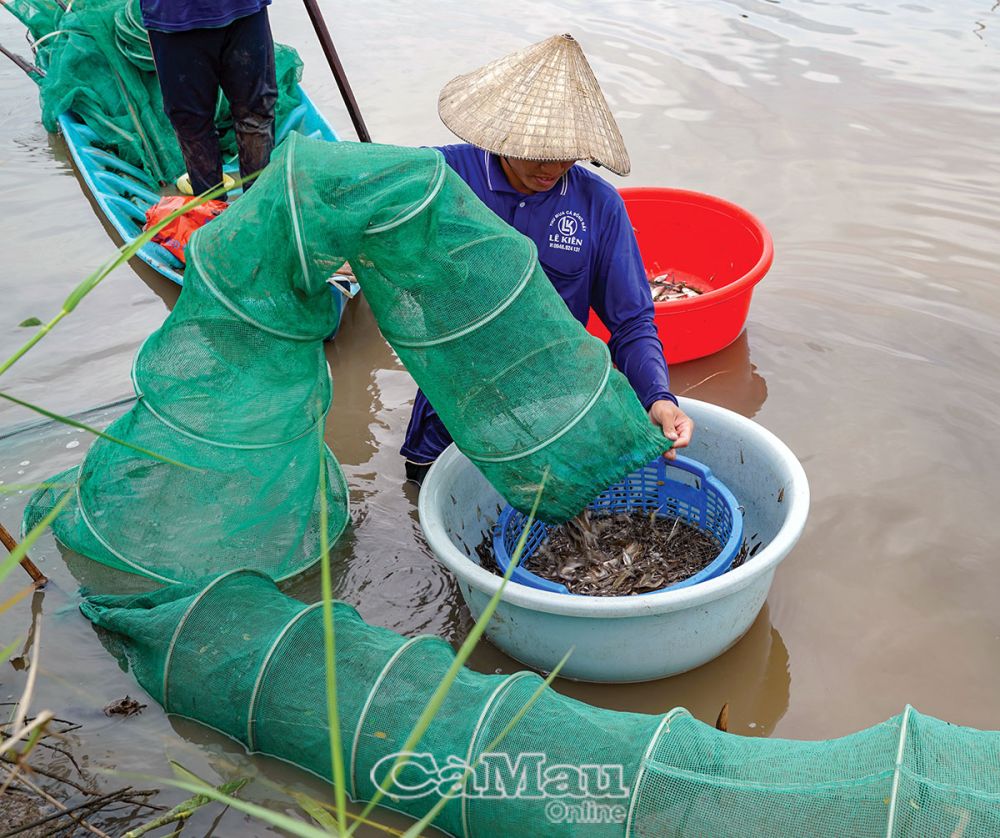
[(863, 135)]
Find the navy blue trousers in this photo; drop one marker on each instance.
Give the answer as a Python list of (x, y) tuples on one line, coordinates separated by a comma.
[(192, 66), (426, 435)]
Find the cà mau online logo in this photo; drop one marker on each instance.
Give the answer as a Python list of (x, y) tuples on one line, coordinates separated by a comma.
[(408, 776)]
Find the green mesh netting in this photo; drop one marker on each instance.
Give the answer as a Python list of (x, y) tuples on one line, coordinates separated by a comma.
[(460, 296), (236, 386), (518, 382), (668, 775), (98, 64)]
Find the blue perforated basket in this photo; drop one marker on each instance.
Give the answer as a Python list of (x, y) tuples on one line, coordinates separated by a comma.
[(681, 488)]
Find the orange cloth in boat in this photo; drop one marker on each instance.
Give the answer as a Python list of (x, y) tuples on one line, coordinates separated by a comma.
[(174, 237)]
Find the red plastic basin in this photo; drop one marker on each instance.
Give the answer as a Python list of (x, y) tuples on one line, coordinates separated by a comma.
[(715, 247)]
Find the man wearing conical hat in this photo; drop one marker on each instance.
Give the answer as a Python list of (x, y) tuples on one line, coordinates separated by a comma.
[(526, 120)]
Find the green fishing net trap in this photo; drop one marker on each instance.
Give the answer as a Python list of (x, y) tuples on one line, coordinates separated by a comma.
[(563, 769), (218, 481), (235, 385)]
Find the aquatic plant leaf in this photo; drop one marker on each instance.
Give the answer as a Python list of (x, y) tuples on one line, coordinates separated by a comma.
[(182, 811), (316, 812), (201, 789), (461, 656), (8, 650), (417, 829), (13, 600), (66, 420), (125, 252), (330, 645), (11, 488)]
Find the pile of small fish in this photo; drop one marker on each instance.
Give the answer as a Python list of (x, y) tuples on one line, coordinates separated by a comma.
[(664, 288), (619, 554)]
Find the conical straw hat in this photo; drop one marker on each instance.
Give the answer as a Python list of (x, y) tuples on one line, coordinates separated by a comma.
[(539, 103)]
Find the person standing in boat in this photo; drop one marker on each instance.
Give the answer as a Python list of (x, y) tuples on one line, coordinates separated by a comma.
[(199, 46), (527, 119)]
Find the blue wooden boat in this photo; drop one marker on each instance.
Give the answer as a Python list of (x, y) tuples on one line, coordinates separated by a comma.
[(124, 192)]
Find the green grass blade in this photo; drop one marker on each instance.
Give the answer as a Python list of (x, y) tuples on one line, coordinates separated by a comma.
[(6, 652), (416, 830), (531, 700), (35, 737), (66, 420), (330, 646), (19, 552), (125, 252), (184, 810), (186, 773), (326, 805), (14, 599), (323, 814), (316, 812), (11, 488), (461, 656), (285, 822)]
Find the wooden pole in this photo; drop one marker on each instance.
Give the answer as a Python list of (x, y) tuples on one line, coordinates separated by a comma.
[(316, 17), (36, 575), (20, 62)]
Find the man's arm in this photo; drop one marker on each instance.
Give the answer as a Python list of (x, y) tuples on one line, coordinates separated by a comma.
[(620, 296)]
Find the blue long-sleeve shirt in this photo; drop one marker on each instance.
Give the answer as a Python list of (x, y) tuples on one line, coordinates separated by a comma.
[(183, 15), (588, 251)]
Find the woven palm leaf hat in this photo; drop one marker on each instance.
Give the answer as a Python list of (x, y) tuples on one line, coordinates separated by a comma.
[(539, 103)]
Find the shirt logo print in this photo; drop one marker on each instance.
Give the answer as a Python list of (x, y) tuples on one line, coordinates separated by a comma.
[(568, 225), (566, 231)]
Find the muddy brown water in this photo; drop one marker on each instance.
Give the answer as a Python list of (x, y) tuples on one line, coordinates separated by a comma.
[(862, 134)]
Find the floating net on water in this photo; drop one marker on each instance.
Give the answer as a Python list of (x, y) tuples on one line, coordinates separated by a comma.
[(565, 769)]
